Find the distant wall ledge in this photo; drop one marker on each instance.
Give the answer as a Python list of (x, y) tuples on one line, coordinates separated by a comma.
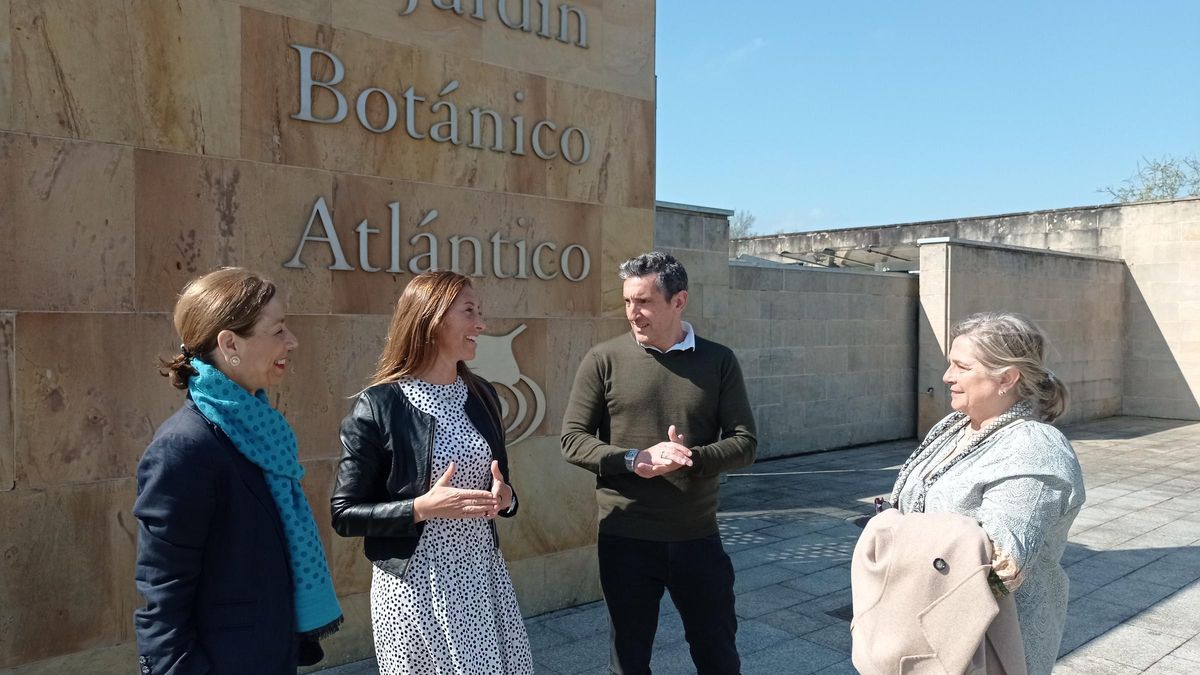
[(1008, 247), (762, 263), (688, 208)]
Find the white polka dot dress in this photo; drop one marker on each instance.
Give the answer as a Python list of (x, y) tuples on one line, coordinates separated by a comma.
[(454, 612)]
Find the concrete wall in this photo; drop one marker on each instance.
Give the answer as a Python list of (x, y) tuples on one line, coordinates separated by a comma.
[(828, 355), (1073, 230), (144, 142), (1159, 242), (1077, 300)]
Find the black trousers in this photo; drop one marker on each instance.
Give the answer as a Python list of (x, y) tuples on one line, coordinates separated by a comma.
[(699, 575)]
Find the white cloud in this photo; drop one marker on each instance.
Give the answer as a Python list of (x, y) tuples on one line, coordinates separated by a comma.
[(741, 53)]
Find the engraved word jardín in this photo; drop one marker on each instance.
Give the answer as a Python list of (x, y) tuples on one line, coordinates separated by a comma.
[(523, 20)]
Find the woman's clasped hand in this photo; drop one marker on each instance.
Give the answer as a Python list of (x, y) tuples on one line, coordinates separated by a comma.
[(444, 501)]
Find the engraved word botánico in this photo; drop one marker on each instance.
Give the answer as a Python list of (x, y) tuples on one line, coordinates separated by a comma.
[(439, 121)]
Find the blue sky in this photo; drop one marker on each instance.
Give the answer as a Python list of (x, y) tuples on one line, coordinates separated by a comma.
[(815, 115)]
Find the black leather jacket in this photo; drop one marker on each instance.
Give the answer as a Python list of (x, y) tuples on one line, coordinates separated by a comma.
[(387, 457)]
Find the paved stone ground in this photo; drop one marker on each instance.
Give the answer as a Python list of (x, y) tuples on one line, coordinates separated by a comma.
[(1133, 560)]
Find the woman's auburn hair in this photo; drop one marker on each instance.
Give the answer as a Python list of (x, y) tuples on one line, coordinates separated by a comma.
[(411, 345)]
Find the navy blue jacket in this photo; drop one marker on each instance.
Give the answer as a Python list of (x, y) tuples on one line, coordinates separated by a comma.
[(212, 559)]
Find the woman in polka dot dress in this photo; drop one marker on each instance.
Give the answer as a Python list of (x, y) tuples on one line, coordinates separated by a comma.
[(424, 472)]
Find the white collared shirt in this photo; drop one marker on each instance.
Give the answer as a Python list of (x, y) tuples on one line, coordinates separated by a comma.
[(688, 341)]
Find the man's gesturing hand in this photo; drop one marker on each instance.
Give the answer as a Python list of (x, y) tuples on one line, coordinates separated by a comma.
[(664, 457), (443, 501)]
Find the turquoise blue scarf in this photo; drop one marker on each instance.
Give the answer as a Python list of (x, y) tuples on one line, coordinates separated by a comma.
[(264, 437)]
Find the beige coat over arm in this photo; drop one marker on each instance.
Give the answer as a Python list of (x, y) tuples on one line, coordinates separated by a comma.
[(922, 601)]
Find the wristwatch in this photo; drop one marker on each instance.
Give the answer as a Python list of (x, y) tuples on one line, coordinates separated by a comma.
[(631, 459)]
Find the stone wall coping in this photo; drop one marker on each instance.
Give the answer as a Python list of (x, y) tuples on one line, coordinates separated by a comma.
[(763, 264), (690, 208), (965, 219), (1009, 247)]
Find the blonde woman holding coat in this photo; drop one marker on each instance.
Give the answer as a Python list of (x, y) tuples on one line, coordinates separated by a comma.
[(997, 460)]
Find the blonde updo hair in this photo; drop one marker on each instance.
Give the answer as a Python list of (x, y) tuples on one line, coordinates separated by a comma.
[(230, 298), (1004, 340)]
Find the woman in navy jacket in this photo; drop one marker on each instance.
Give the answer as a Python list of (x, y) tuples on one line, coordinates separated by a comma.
[(234, 577)]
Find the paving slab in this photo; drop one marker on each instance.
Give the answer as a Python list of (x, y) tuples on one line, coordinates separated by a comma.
[(1132, 646), (1173, 665), (798, 655)]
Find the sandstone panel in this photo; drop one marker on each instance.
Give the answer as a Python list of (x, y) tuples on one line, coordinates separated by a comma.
[(350, 568), (569, 341), (629, 47), (533, 52), (91, 396), (115, 659), (52, 541), (558, 502), (318, 485), (425, 28), (564, 579), (8, 432), (6, 71), (71, 60), (359, 199), (317, 11), (335, 357), (67, 206), (194, 214), (507, 90), (620, 171), (619, 56), (565, 225), (144, 73), (626, 233)]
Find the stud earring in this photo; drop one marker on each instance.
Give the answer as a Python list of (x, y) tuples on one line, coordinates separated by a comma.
[(1002, 392), (235, 361)]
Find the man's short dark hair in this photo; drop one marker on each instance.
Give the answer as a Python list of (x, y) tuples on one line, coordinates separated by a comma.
[(669, 275)]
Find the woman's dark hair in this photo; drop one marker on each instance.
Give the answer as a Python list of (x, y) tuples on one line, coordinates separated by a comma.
[(230, 298)]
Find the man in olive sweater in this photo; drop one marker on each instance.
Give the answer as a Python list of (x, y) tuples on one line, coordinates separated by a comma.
[(635, 400)]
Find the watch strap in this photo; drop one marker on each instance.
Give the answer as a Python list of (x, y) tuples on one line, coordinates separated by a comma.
[(631, 459)]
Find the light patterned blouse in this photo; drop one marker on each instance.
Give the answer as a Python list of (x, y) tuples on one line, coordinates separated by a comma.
[(1020, 479)]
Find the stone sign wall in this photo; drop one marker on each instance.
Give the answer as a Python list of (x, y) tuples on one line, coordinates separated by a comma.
[(340, 147)]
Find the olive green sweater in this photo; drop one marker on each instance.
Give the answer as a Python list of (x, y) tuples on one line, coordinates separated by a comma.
[(625, 397)]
